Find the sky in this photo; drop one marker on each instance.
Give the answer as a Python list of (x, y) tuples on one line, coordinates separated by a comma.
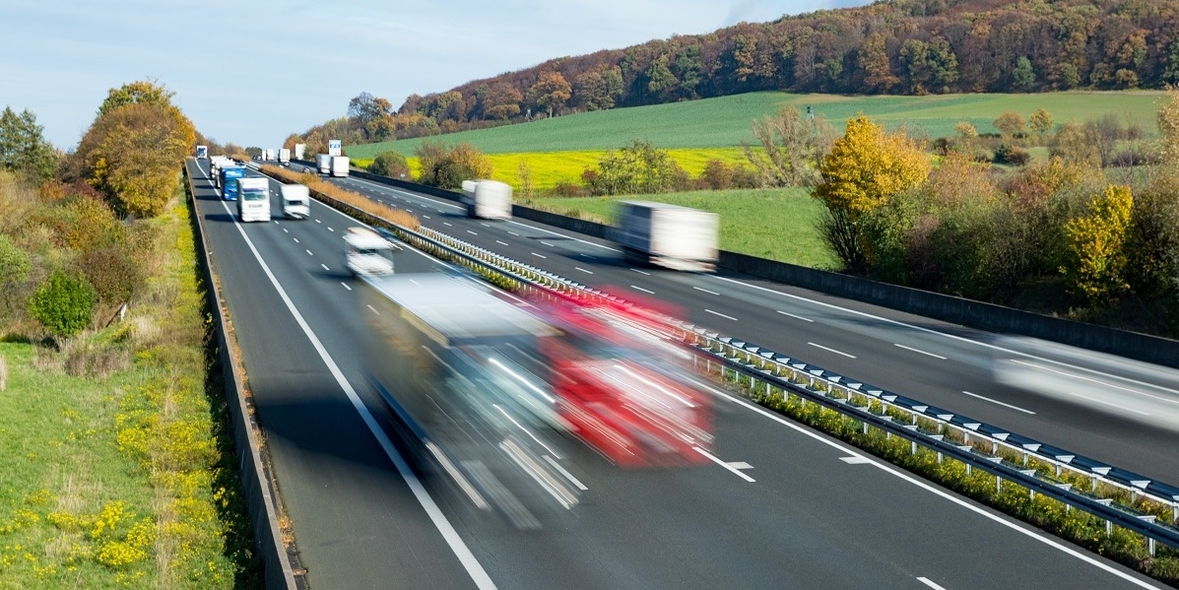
[(254, 72)]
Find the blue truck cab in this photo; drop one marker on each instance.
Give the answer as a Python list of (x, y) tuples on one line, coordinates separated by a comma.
[(229, 176)]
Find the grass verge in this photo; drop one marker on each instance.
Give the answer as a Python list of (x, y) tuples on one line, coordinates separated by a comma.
[(114, 465)]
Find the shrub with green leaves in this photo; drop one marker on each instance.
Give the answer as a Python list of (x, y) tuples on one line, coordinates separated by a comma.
[(391, 164), (14, 263), (65, 304)]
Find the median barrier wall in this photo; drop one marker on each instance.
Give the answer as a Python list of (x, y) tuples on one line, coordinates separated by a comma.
[(261, 497), (966, 312)]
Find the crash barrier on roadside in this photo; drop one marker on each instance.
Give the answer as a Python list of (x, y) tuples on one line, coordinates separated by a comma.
[(257, 480)]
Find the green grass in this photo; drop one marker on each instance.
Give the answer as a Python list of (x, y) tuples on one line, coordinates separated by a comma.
[(725, 121), (778, 224), (120, 477)]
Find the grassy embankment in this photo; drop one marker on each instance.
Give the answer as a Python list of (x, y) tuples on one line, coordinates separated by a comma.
[(754, 222), (115, 469)]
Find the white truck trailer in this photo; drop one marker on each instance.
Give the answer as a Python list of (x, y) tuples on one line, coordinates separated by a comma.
[(296, 201), (339, 166), (284, 157), (253, 199), (323, 163), (671, 236), (487, 199)]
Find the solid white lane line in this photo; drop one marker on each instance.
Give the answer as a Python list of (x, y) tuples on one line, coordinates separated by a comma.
[(325, 267), (460, 549), (717, 313), (642, 272), (797, 317), (717, 460), (345, 285), (919, 351), (538, 255), (638, 288), (705, 290), (930, 583), (588, 272), (501, 242), (850, 356), (995, 401)]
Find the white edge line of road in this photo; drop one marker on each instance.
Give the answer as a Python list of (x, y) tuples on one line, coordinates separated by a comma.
[(460, 549), (948, 496), (951, 336)]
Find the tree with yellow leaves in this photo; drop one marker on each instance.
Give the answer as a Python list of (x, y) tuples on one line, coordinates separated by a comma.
[(1096, 260)]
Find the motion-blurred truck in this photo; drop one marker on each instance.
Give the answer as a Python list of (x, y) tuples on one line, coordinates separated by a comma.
[(253, 203), (487, 199), (202, 152), (296, 201), (339, 167), (323, 163), (458, 367), (367, 253), (671, 236), (284, 157)]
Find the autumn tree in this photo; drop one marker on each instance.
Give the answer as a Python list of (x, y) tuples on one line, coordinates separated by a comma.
[(550, 92), (448, 167), (875, 68), (502, 101), (1009, 124), (22, 146), (1041, 122), (1096, 262), (147, 92), (791, 148), (863, 171), (598, 89)]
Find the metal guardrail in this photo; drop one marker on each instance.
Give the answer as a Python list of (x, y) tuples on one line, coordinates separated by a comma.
[(928, 426)]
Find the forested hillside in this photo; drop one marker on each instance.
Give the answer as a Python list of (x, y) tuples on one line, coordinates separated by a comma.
[(892, 47)]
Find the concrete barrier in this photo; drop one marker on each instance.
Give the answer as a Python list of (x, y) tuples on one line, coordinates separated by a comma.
[(257, 483)]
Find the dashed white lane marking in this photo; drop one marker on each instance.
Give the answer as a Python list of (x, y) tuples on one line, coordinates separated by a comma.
[(588, 272), (373, 309), (717, 460), (855, 460), (930, 583), (797, 317), (919, 351), (717, 313), (850, 356), (501, 242), (296, 240), (705, 290), (345, 285), (538, 255), (309, 252), (638, 288), (995, 401), (642, 272), (325, 267)]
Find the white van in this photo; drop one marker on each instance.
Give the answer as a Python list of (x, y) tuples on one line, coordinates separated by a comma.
[(296, 201)]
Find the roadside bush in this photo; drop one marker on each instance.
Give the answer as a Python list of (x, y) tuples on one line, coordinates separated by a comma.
[(113, 273), (448, 167), (717, 175), (65, 304), (745, 177), (569, 189), (391, 164), (638, 168)]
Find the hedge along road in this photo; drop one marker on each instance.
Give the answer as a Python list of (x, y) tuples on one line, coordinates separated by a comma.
[(1108, 408), (775, 511)]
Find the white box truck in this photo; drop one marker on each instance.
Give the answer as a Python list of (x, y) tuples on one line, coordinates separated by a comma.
[(296, 201), (671, 236), (487, 199), (323, 163), (339, 166), (284, 157), (253, 199), (367, 253)]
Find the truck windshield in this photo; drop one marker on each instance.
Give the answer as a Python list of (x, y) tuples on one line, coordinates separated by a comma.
[(253, 195)]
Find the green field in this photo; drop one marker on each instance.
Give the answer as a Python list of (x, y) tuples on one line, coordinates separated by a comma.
[(725, 121), (778, 224)]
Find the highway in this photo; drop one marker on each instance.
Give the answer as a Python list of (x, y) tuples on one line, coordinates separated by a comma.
[(783, 507)]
